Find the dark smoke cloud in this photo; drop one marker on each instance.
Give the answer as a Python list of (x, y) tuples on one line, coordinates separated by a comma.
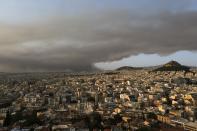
[(76, 43)]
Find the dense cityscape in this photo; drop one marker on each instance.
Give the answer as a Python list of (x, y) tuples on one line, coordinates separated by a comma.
[(125, 99), (98, 65)]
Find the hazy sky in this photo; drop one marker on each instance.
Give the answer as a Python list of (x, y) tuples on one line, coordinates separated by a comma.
[(64, 35)]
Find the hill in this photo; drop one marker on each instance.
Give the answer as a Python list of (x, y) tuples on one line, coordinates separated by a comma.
[(172, 66), (128, 68)]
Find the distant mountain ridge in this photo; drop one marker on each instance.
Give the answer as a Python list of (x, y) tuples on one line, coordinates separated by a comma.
[(170, 66), (128, 68)]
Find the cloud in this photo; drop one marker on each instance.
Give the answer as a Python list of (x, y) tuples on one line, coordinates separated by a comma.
[(76, 43)]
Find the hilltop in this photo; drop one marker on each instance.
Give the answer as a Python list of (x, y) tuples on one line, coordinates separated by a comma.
[(172, 66)]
